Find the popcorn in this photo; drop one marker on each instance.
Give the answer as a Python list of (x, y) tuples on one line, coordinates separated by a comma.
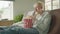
[(28, 22)]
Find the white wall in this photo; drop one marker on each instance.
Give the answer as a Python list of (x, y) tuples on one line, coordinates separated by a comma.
[(21, 6)]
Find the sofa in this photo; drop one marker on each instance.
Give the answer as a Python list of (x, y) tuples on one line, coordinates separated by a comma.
[(55, 22)]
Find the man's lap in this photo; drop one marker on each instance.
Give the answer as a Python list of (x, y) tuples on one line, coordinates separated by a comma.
[(28, 31), (19, 30), (25, 30)]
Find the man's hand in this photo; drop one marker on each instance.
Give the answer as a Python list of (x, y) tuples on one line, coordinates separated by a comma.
[(29, 17)]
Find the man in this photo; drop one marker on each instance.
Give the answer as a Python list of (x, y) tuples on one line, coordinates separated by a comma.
[(41, 20)]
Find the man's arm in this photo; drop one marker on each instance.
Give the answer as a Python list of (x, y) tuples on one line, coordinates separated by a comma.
[(21, 22), (45, 23)]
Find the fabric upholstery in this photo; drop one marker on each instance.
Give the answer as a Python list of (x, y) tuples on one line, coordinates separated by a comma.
[(55, 22)]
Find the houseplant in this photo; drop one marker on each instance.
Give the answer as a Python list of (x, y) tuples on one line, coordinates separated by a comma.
[(18, 18)]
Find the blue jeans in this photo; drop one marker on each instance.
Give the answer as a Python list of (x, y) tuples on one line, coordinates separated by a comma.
[(19, 30), (28, 31)]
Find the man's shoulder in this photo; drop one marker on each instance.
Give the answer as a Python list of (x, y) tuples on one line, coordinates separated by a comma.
[(30, 13), (46, 13)]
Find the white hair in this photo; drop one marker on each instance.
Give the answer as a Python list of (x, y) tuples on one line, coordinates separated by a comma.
[(39, 3)]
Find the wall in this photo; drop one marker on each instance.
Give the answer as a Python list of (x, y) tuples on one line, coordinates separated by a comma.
[(21, 6)]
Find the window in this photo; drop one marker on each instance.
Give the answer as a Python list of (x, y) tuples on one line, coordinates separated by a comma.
[(47, 4), (52, 4), (6, 10), (55, 4)]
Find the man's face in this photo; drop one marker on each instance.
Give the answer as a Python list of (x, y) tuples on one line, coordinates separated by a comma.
[(38, 8)]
